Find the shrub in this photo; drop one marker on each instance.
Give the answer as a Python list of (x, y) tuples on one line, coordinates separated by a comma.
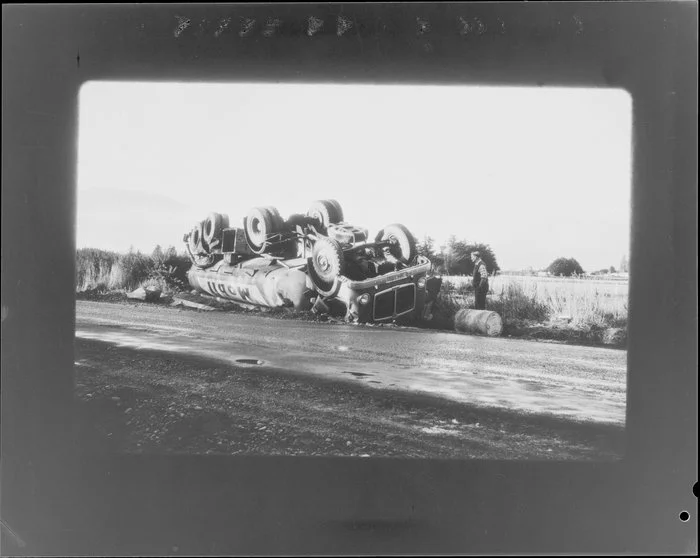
[(513, 303), (102, 270), (93, 268), (130, 271), (169, 269), (566, 267), (445, 307), (460, 289)]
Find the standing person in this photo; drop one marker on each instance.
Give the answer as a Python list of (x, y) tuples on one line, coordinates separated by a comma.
[(480, 281)]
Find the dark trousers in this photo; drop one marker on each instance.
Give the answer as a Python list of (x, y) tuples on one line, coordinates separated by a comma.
[(480, 293)]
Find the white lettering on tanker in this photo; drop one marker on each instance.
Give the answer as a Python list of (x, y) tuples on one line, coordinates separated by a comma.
[(221, 289)]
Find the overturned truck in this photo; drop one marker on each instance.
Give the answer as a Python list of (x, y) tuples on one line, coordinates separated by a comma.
[(310, 261)]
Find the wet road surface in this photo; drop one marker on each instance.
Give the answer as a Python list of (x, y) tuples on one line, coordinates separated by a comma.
[(579, 383)]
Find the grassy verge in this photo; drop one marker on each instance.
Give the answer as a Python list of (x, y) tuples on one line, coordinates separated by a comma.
[(561, 312), (100, 272)]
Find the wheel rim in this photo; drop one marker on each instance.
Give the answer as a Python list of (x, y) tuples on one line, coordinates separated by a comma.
[(400, 240), (326, 212), (325, 268), (328, 260), (323, 263), (256, 228)]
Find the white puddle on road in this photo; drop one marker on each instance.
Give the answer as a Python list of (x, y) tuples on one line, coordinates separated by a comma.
[(126, 340)]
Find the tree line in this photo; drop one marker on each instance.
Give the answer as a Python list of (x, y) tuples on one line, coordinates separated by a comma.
[(454, 258)]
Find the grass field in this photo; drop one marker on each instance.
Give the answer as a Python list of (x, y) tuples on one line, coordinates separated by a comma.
[(583, 300), (583, 303)]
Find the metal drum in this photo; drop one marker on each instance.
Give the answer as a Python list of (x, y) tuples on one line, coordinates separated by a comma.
[(482, 322)]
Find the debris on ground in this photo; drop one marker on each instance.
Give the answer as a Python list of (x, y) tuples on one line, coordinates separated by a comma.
[(615, 336), (320, 307), (148, 294), (191, 301)]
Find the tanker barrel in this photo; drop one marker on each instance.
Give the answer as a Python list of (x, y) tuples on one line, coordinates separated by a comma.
[(275, 286), (484, 322)]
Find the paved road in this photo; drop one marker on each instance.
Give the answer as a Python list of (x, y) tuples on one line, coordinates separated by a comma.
[(581, 383)]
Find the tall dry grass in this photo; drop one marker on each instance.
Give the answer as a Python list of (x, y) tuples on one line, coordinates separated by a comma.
[(585, 302), (102, 270), (94, 268)]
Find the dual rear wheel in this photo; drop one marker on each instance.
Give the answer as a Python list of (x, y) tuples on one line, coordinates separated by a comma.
[(402, 244), (261, 223), (326, 212), (205, 237)]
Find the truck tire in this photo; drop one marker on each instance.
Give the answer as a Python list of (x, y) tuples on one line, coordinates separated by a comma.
[(328, 260), (196, 249), (326, 212), (403, 245), (295, 220), (339, 217), (259, 224), (203, 261), (275, 213), (195, 243), (214, 226)]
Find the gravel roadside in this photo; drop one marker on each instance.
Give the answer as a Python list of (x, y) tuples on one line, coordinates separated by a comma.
[(145, 401)]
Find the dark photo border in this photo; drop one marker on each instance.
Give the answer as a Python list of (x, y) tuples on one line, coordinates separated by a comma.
[(58, 498)]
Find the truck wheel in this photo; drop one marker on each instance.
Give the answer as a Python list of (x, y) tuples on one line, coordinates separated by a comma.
[(195, 241), (295, 220), (214, 226), (326, 212), (339, 217), (259, 224), (275, 213), (328, 260), (403, 245), (203, 261)]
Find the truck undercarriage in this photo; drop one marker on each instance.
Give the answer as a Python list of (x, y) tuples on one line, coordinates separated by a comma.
[(313, 260)]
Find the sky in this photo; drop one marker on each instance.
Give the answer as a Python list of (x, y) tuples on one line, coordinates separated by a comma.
[(536, 173)]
